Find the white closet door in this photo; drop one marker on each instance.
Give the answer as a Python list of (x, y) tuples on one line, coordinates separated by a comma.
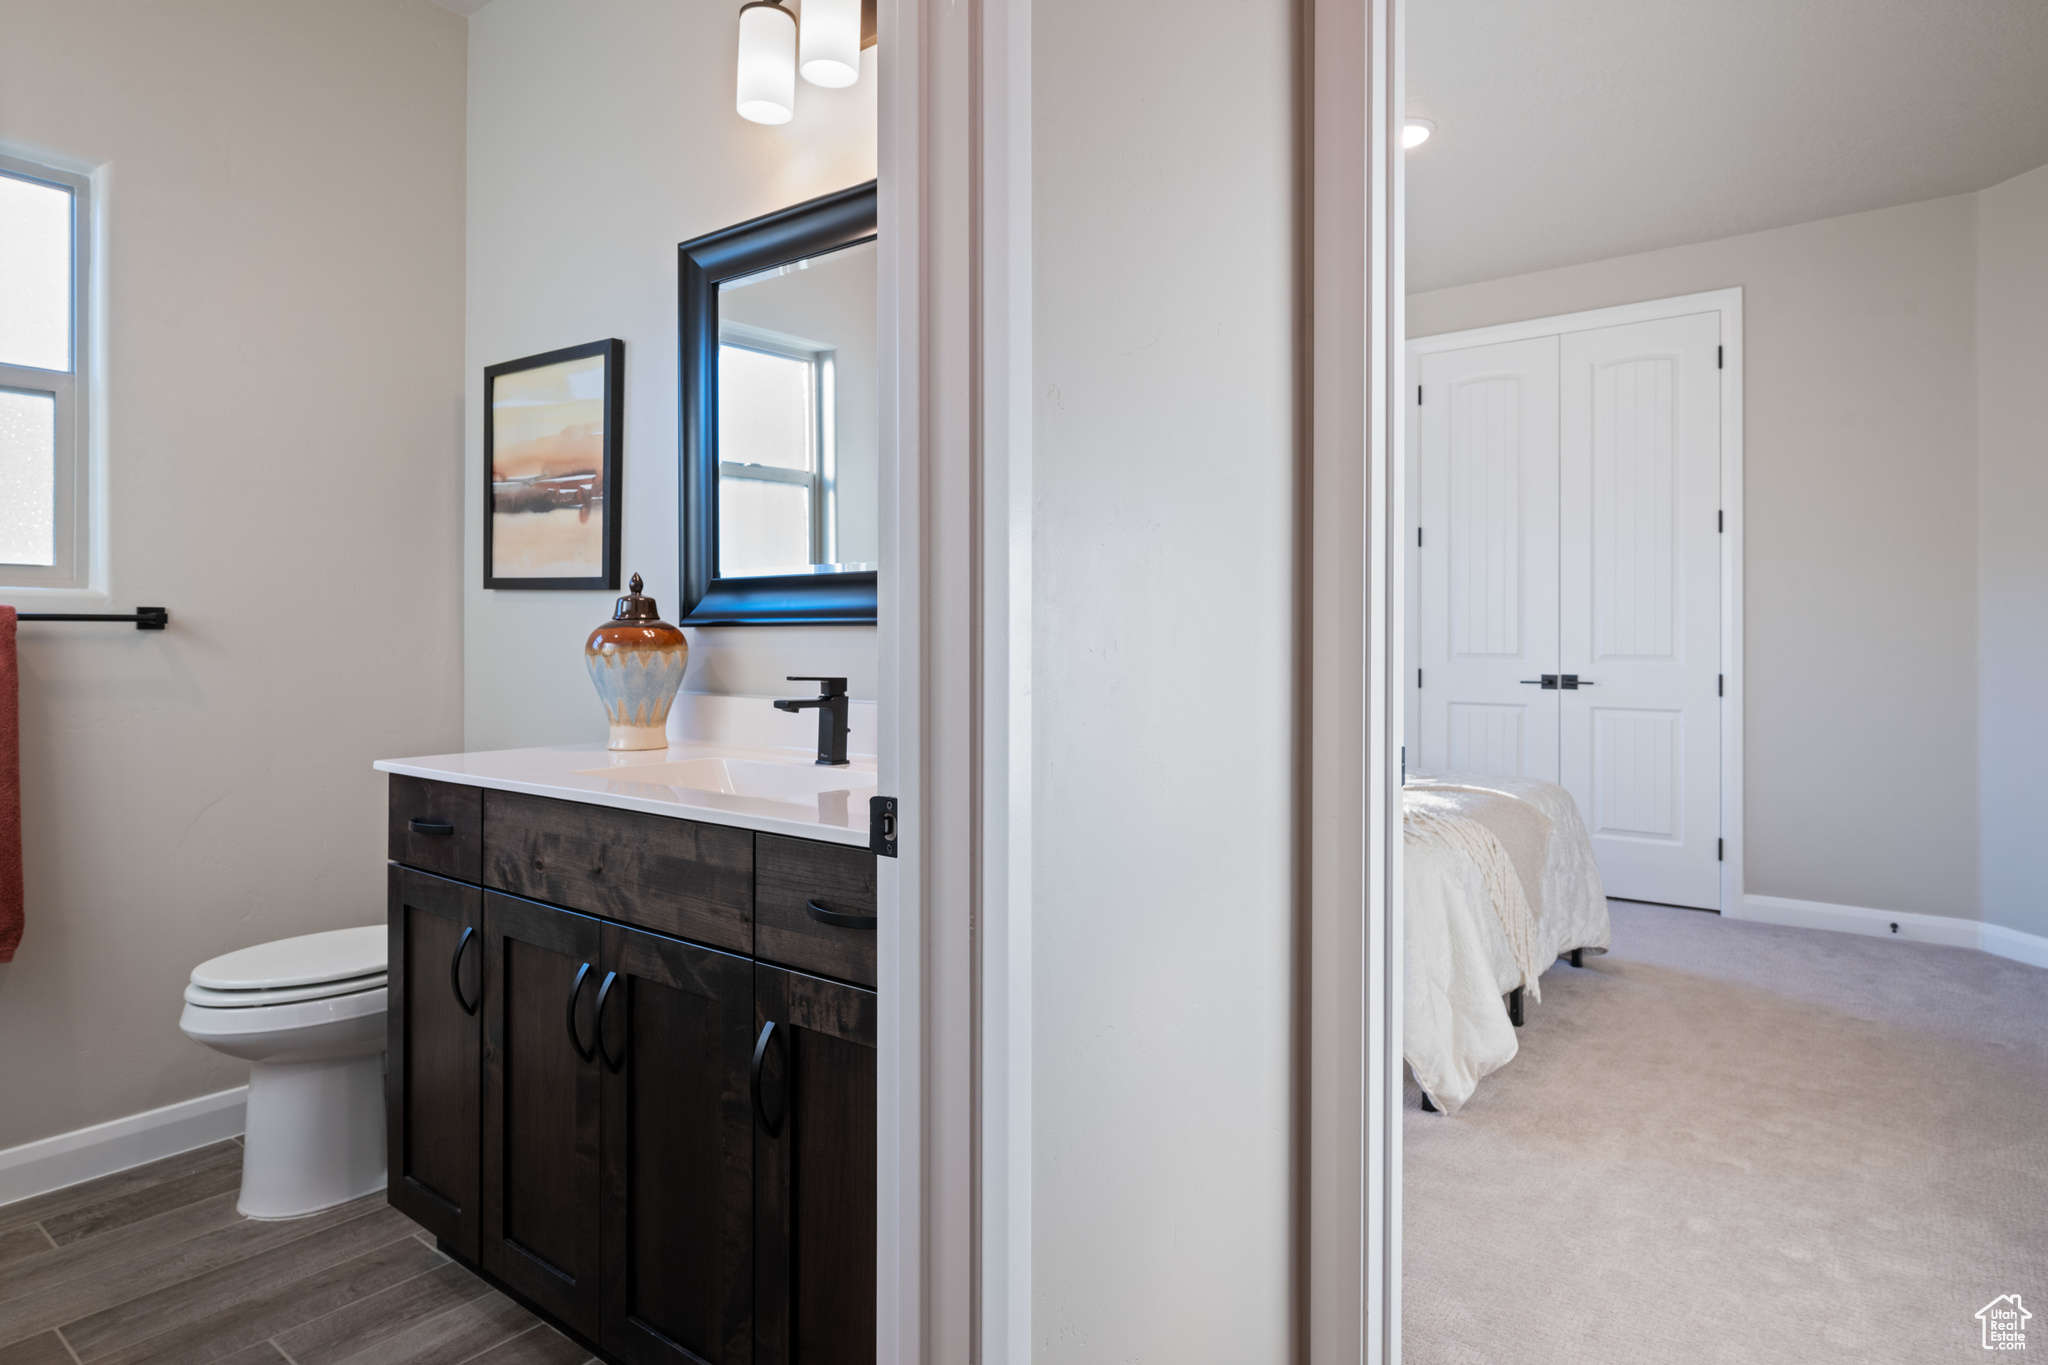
[(1487, 565), (1640, 615)]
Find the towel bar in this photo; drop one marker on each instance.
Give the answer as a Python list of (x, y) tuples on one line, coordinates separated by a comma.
[(145, 618)]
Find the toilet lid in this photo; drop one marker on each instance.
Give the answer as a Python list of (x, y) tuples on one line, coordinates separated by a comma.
[(339, 955)]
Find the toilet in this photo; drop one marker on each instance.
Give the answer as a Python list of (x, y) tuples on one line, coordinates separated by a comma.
[(308, 1014)]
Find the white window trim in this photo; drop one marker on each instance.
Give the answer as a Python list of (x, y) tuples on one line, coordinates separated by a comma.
[(822, 477), (79, 575)]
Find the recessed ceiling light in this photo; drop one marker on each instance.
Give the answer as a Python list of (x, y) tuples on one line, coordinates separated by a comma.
[(1415, 132)]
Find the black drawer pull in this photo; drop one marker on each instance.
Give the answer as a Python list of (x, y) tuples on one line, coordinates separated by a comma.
[(839, 919), (455, 971), (575, 1037), (603, 994), (443, 828), (772, 1122)]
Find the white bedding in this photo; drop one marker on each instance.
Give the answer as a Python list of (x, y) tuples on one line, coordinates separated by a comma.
[(1475, 933)]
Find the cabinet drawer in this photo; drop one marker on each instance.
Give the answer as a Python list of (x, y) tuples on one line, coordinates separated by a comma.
[(651, 871), (437, 826), (793, 875)]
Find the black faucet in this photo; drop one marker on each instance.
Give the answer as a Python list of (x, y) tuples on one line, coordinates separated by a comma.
[(831, 704)]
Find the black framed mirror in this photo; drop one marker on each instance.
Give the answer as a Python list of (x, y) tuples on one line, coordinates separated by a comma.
[(780, 466)]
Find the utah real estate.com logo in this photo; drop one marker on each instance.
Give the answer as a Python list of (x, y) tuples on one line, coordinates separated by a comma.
[(2005, 1323)]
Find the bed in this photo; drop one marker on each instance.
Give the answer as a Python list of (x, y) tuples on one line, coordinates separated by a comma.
[(1500, 884)]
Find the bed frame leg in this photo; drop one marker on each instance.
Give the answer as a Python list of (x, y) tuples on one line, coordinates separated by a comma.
[(1427, 1107), (1578, 956), (1515, 1006)]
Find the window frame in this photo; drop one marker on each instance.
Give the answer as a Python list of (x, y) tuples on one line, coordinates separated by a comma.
[(821, 476), (71, 571)]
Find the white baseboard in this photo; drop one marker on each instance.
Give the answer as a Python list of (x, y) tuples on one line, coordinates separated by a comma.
[(52, 1163), (2016, 944), (1946, 930)]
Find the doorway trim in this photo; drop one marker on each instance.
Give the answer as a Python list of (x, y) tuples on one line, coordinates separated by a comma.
[(1727, 303), (953, 1066)]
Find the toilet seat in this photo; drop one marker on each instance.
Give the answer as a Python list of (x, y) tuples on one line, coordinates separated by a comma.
[(205, 1024), (284, 995)]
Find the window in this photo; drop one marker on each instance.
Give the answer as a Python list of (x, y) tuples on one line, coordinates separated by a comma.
[(775, 484), (44, 232)]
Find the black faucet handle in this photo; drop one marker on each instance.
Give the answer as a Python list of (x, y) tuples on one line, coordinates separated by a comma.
[(827, 687)]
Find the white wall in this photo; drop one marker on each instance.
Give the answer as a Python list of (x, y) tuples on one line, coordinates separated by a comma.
[(600, 136), (282, 191), (1163, 470), (2012, 509), (1861, 509)]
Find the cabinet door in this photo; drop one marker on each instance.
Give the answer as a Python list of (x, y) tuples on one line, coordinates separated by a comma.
[(814, 1171), (430, 1089), (675, 1036), (540, 1106)]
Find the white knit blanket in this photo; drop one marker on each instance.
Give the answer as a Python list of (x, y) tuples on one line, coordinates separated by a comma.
[(1427, 821), (1476, 927)]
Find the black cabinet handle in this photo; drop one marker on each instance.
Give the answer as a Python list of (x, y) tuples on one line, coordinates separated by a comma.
[(575, 1038), (839, 919), (772, 1122), (455, 971), (438, 827), (604, 993)]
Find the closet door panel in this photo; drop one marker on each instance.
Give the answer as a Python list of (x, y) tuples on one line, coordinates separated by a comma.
[(1487, 565), (1640, 603)]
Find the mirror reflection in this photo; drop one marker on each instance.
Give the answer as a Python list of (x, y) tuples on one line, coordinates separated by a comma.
[(797, 474)]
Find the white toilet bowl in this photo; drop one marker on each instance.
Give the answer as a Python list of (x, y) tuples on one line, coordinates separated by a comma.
[(308, 1013)]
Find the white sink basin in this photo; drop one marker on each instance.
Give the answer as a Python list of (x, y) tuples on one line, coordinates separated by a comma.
[(754, 778)]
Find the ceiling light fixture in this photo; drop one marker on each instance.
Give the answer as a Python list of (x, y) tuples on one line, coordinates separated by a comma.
[(828, 43), (1415, 132), (767, 72)]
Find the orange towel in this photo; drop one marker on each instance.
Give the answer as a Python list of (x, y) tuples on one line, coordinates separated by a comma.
[(10, 790)]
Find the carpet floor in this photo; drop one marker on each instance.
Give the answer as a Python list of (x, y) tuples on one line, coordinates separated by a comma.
[(1731, 1142)]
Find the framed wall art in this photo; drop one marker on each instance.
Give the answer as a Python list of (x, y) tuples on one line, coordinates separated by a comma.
[(551, 468)]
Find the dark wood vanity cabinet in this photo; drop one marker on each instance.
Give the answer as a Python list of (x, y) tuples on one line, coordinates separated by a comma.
[(434, 983), (677, 1182), (814, 1171), (540, 1106), (668, 1146)]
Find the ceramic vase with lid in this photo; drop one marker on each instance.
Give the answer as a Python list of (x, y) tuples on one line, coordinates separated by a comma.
[(636, 659)]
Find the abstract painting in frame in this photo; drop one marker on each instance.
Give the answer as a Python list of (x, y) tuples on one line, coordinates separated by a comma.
[(551, 468)]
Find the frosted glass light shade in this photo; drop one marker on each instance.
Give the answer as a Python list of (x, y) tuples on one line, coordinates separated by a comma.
[(767, 75), (828, 52), (1415, 132)]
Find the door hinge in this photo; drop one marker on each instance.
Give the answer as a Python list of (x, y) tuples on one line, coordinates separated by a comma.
[(1721, 521), (1418, 537), (1720, 684), (1418, 395), (1720, 850), (882, 826), (1418, 680), (1720, 357)]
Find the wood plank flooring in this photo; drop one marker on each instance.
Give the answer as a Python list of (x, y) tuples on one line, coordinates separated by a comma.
[(154, 1265)]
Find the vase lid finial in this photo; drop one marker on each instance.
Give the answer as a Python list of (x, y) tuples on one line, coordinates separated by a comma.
[(635, 606)]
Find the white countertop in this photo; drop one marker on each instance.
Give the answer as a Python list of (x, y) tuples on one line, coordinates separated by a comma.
[(595, 776)]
